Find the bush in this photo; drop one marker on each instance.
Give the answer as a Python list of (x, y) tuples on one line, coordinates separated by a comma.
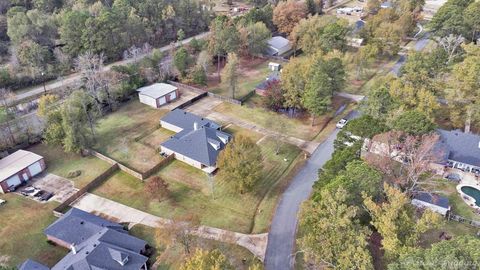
[(74, 174)]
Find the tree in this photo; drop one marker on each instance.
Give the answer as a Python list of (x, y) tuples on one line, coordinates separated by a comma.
[(414, 123), (287, 14), (33, 57), (274, 95), (199, 75), (240, 163), (378, 103), (224, 38), (257, 36), (456, 254), (156, 188), (6, 98), (332, 236), (230, 73), (412, 97), (206, 260), (70, 21), (293, 81), (182, 61), (395, 220), (363, 127), (365, 56), (449, 19), (472, 18), (204, 60), (178, 231), (451, 45)]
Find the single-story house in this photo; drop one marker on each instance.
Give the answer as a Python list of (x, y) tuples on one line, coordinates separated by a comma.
[(157, 94), (261, 87), (32, 265), (198, 141), (278, 46), (19, 168), (461, 150), (94, 243), (434, 202)]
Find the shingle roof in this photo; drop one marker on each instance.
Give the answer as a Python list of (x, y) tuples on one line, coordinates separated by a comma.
[(16, 162), (157, 90), (32, 265), (274, 76), (76, 226), (432, 199), (278, 42), (460, 146), (108, 249), (185, 120), (202, 145)]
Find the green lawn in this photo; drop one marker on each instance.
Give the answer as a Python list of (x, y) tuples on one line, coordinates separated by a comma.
[(236, 130), (172, 257), (61, 164), (21, 231), (451, 228), (3, 115), (119, 133), (191, 193)]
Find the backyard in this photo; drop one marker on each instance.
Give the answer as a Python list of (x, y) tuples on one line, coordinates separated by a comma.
[(132, 135), (191, 191), (21, 231)]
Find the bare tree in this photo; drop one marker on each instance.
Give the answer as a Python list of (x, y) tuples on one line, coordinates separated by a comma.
[(156, 188), (6, 97), (451, 44), (178, 231)]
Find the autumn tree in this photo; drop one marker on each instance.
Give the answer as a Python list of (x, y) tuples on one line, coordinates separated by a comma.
[(178, 231), (364, 58), (274, 95), (378, 102), (6, 99), (395, 220), (207, 260), (230, 73), (224, 38), (287, 14), (333, 237), (293, 81), (240, 163), (256, 38), (413, 122), (157, 188)]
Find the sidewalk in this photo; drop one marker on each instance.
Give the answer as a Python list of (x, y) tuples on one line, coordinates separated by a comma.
[(255, 243)]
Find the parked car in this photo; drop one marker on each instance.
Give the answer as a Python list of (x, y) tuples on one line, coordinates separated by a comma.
[(28, 191), (46, 196), (342, 123), (2, 202)]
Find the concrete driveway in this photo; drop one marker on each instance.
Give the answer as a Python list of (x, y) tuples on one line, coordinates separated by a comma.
[(185, 95), (61, 188)]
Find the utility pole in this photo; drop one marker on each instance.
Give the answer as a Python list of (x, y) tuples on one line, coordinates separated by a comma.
[(43, 80)]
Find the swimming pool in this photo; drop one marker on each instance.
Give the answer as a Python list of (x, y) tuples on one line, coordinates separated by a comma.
[(472, 192)]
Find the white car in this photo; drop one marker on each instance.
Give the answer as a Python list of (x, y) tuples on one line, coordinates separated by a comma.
[(2, 202), (342, 123)]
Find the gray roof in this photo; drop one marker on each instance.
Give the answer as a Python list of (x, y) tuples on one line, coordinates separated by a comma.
[(202, 145), (274, 76), (16, 162), (432, 199), (460, 146), (157, 90), (32, 265), (76, 226), (278, 42), (185, 120), (107, 249)]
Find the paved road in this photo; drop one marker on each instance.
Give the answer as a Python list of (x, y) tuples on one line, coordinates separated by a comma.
[(419, 45), (73, 78), (281, 238)]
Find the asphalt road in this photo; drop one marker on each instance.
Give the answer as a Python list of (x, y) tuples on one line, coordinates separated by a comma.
[(419, 45), (281, 239)]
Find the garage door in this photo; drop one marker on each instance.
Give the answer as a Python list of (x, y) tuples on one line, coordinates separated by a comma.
[(173, 95), (162, 101), (35, 169), (13, 181)]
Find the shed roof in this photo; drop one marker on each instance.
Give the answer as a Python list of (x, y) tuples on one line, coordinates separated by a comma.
[(434, 199), (460, 146), (16, 162), (157, 90), (274, 76), (278, 42)]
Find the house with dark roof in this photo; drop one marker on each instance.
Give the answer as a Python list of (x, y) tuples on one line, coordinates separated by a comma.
[(461, 150), (94, 243), (198, 141), (433, 202), (261, 87)]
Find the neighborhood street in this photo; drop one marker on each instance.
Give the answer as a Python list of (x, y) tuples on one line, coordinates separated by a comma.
[(281, 238)]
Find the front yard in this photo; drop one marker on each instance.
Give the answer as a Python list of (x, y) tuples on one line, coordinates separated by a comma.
[(191, 191), (21, 231)]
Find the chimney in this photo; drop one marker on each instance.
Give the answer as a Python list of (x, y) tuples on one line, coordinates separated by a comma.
[(73, 248), (195, 126)]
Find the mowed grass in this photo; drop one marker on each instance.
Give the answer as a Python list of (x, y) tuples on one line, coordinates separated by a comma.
[(173, 256), (60, 163), (119, 132), (451, 228), (191, 192), (21, 231)]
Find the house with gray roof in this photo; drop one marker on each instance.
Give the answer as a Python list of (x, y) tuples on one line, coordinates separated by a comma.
[(198, 141), (94, 243), (278, 46), (433, 202), (460, 150)]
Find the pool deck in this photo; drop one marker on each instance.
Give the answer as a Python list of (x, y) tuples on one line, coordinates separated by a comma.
[(468, 180)]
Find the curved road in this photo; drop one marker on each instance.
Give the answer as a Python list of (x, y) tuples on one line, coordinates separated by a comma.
[(281, 238)]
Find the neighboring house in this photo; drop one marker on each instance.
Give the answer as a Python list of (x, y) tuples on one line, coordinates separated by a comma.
[(462, 150), (434, 202), (19, 168), (157, 94), (198, 140), (94, 243), (32, 265), (261, 87), (278, 46)]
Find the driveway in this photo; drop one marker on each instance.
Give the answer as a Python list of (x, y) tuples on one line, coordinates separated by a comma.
[(61, 188), (281, 238)]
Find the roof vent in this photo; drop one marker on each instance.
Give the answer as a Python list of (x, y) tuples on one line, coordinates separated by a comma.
[(82, 222), (195, 126)]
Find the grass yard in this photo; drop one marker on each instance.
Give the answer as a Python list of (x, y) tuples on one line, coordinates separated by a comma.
[(172, 257), (256, 70), (236, 130), (119, 133), (61, 164), (451, 228), (191, 192), (21, 231), (157, 137)]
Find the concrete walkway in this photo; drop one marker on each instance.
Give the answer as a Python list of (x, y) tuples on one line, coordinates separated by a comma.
[(255, 243)]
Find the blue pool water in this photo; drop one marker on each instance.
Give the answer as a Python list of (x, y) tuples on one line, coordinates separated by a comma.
[(472, 192)]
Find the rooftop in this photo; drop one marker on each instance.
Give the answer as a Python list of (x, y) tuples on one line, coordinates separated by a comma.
[(278, 42), (460, 146), (16, 162), (186, 120), (432, 199), (157, 90), (274, 76), (32, 265)]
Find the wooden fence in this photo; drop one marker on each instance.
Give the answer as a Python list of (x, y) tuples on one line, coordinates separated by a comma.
[(202, 91), (464, 220), (63, 207)]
